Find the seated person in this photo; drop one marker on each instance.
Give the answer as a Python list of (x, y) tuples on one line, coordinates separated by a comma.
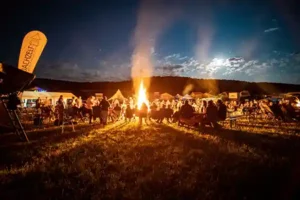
[(169, 113), (154, 114), (290, 110), (275, 108), (186, 111), (161, 114), (211, 115)]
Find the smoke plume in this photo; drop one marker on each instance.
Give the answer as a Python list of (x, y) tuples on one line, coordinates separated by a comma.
[(153, 18)]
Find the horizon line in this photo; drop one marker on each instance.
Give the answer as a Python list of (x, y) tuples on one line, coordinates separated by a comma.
[(126, 80)]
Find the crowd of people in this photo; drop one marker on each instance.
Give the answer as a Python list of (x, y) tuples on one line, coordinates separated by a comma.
[(162, 110)]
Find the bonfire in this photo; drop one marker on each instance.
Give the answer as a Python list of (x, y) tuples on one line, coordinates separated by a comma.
[(142, 97)]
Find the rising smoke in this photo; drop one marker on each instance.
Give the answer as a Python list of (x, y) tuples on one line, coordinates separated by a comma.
[(153, 18)]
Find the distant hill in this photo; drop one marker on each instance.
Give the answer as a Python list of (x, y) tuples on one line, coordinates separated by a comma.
[(172, 85)]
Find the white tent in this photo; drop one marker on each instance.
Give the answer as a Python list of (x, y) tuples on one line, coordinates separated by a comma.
[(208, 95), (28, 96), (178, 96), (197, 95), (187, 97), (49, 95), (214, 99), (118, 95)]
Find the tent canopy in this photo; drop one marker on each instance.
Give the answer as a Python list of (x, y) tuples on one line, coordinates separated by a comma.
[(207, 95), (210, 99), (187, 97), (197, 94), (178, 96), (118, 95), (166, 96), (49, 95)]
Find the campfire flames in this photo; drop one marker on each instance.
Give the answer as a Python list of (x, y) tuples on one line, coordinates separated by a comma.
[(142, 96), (298, 104)]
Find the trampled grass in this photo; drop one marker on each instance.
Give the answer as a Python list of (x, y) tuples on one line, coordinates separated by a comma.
[(155, 161)]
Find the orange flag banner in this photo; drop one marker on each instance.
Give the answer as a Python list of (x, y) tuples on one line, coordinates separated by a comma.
[(31, 50)]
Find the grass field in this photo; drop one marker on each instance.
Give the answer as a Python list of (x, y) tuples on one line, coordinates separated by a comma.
[(128, 161)]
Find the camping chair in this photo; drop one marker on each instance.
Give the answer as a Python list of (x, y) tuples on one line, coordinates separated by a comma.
[(232, 120), (67, 120), (82, 114)]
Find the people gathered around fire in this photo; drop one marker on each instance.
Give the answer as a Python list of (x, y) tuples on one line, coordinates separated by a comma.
[(103, 111)]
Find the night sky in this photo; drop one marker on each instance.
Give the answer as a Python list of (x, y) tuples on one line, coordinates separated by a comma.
[(95, 40)]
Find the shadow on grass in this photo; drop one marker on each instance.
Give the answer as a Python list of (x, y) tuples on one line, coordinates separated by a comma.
[(153, 162), (274, 125), (271, 144), (69, 175), (269, 176), (15, 153)]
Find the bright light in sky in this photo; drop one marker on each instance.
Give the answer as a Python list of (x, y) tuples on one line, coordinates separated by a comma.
[(217, 62)]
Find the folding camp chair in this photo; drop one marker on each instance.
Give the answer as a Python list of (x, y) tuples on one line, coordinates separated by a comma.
[(67, 120)]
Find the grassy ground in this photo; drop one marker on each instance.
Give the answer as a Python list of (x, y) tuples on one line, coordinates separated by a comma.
[(126, 161)]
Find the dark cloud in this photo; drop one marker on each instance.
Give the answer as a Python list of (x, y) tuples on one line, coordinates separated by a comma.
[(236, 60), (170, 67)]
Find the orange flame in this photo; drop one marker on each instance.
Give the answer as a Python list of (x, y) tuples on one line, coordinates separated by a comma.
[(298, 104), (142, 97)]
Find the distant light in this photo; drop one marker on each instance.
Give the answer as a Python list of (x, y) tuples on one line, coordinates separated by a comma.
[(40, 90)]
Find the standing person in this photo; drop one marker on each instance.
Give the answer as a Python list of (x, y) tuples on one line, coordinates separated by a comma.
[(38, 103), (71, 102), (143, 112), (131, 103), (161, 114), (169, 113), (117, 112), (128, 113), (89, 107), (78, 104), (60, 107), (203, 107), (70, 107), (78, 107), (46, 102), (104, 110)]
